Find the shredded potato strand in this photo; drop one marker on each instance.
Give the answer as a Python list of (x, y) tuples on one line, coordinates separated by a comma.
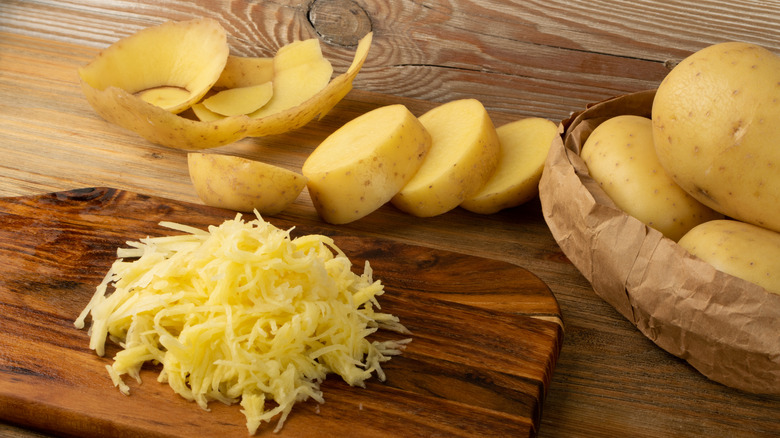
[(241, 313)]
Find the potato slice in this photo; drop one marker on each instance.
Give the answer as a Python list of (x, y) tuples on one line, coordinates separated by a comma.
[(364, 163), (205, 114), (171, 65), (238, 101), (242, 71), (464, 154), (300, 72), (524, 145), (157, 125), (240, 184)]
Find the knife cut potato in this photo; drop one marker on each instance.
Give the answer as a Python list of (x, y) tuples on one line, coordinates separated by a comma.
[(737, 248), (621, 158), (238, 101), (123, 107), (173, 64), (240, 184), (359, 167), (524, 145), (463, 155)]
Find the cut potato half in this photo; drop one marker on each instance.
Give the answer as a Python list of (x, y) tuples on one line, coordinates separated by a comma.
[(463, 155), (123, 108), (524, 146), (359, 167), (171, 65), (238, 101), (240, 184)]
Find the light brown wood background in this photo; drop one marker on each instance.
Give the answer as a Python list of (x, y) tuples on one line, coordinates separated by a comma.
[(520, 58)]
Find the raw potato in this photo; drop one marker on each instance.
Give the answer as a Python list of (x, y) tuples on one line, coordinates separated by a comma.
[(716, 132), (740, 249), (463, 156), (524, 146), (621, 158), (300, 72), (364, 163), (172, 65), (123, 108), (236, 183), (238, 101), (242, 72)]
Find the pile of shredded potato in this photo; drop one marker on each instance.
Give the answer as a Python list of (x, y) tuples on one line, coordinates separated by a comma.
[(241, 313)]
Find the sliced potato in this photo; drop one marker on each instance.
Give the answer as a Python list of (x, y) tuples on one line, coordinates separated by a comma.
[(238, 101), (359, 167), (300, 72), (524, 146), (243, 71), (172, 65), (157, 125), (463, 156), (240, 184), (737, 248)]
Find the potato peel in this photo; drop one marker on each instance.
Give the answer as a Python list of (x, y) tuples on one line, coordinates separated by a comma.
[(155, 124)]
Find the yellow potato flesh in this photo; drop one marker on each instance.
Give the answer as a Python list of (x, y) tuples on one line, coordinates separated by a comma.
[(300, 72), (463, 155), (205, 114), (740, 249), (524, 146), (187, 56), (240, 184), (159, 126), (364, 163), (621, 158), (238, 101), (242, 71), (716, 130)]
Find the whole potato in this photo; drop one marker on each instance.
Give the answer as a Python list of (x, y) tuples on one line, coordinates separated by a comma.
[(740, 249), (715, 125), (621, 158)]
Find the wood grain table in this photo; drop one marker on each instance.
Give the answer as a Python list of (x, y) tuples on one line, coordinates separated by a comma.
[(520, 58)]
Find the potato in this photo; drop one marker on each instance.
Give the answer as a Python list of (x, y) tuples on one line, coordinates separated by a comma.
[(359, 167), (173, 64), (243, 71), (238, 101), (524, 145), (123, 108), (740, 249), (716, 132), (300, 72), (621, 158), (237, 183), (463, 156)]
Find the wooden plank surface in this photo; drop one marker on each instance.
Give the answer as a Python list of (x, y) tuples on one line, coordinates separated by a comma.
[(470, 371), (519, 58)]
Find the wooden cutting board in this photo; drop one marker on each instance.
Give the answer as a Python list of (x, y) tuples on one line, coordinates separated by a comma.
[(486, 334)]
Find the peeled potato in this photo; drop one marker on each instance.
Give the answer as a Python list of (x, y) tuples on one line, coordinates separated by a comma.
[(238, 101), (236, 183), (524, 146), (463, 155), (121, 107), (737, 248), (243, 71), (621, 158), (364, 163), (171, 65)]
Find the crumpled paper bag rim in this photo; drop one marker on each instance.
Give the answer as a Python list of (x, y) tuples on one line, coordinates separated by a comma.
[(725, 327)]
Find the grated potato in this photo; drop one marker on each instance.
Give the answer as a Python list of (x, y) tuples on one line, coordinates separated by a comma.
[(241, 313)]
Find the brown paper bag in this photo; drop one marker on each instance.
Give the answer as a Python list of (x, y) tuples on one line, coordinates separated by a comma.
[(725, 327)]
